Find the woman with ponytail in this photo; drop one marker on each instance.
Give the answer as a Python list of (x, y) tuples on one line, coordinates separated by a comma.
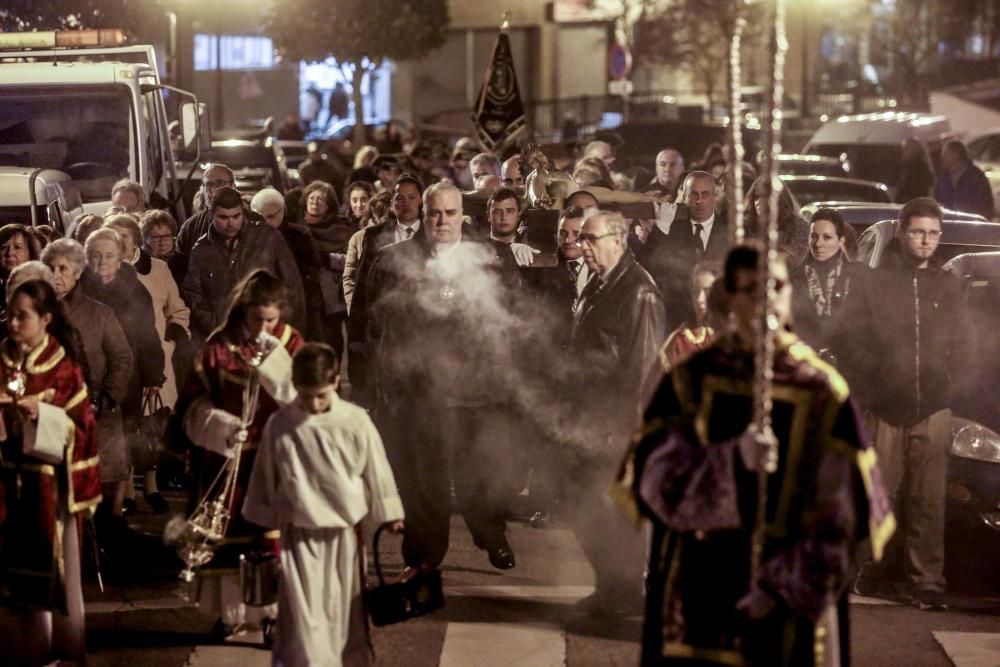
[(49, 481)]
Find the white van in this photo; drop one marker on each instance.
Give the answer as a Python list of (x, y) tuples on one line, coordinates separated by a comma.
[(872, 143), (82, 118)]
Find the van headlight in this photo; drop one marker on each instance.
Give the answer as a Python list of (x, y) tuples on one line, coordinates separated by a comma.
[(974, 441)]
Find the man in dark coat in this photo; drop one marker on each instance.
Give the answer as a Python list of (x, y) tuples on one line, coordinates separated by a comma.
[(961, 185), (214, 178), (403, 224), (697, 233), (439, 334), (618, 327), (902, 342), (230, 249)]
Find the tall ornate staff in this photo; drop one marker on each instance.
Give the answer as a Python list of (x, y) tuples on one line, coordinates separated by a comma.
[(767, 319), (734, 134)]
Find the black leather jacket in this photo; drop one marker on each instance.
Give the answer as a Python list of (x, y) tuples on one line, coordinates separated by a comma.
[(617, 331)]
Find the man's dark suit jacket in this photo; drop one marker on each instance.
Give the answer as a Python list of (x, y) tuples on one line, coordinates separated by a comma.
[(670, 258)]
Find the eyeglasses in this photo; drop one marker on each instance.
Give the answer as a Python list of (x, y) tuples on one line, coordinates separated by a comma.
[(160, 237), (933, 234), (592, 238), (218, 184)]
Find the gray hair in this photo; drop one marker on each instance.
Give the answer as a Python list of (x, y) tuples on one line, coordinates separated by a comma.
[(266, 198), (218, 165), (33, 270), (439, 188), (128, 185), (614, 221), (125, 222), (686, 185), (104, 234), (68, 248), (486, 159)]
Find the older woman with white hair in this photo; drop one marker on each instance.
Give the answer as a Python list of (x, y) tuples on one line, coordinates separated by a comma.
[(107, 370), (172, 316), (111, 280)]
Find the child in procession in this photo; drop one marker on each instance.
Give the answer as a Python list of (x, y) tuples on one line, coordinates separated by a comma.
[(320, 470)]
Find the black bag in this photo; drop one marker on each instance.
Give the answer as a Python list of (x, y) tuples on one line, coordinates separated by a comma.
[(397, 602), (146, 434)]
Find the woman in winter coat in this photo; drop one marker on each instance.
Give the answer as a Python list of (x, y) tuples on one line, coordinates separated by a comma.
[(823, 282), (108, 367), (330, 234), (793, 230), (114, 282), (172, 316)]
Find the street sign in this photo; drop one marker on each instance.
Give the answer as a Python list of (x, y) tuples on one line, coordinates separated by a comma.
[(619, 61), (622, 87)]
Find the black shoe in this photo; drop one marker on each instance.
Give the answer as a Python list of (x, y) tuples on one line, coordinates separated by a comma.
[(157, 503), (540, 520), (929, 600), (267, 630), (129, 506), (502, 556), (866, 586)]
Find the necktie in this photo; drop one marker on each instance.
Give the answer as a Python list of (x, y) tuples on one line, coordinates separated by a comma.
[(409, 232), (698, 229), (574, 270)]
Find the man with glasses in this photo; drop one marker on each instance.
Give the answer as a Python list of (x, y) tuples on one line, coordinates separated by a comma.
[(215, 177), (901, 341), (618, 326)]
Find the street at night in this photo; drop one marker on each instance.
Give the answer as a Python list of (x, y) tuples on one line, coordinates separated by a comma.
[(654, 333)]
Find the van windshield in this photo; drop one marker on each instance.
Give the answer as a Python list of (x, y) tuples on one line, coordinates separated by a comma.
[(81, 131), (869, 162)]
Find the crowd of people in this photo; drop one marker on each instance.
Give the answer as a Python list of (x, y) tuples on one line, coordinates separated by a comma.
[(483, 375)]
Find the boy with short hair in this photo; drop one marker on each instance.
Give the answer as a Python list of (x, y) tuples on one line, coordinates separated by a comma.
[(320, 470)]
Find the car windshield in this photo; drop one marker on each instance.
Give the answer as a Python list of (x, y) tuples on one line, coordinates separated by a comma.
[(811, 168), (869, 162), (81, 131), (809, 191), (241, 157)]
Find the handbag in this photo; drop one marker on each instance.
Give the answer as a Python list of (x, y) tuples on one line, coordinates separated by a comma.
[(146, 433), (389, 603)]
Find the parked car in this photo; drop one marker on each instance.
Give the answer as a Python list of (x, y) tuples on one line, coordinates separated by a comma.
[(257, 163), (985, 152), (797, 164), (809, 189), (958, 237), (972, 532), (862, 215), (872, 143), (973, 511)]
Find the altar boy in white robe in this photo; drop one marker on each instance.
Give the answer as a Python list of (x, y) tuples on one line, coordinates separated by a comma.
[(320, 470)]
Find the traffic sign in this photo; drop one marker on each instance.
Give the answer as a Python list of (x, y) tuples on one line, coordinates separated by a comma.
[(619, 61)]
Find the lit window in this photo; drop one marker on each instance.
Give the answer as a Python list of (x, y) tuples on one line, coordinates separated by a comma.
[(238, 52)]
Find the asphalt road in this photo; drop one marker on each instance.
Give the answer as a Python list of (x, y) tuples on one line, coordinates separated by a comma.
[(523, 617)]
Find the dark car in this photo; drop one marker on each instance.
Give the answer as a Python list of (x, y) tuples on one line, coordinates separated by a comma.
[(796, 164), (972, 539), (862, 215), (257, 163), (809, 189), (958, 237), (973, 512)]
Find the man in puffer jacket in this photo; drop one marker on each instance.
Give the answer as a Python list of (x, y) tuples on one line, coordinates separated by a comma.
[(902, 344)]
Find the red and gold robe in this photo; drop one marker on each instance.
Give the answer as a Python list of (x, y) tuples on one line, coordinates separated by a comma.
[(220, 373), (34, 493)]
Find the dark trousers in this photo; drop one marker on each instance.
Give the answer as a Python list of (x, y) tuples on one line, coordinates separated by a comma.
[(614, 546), (430, 447)]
